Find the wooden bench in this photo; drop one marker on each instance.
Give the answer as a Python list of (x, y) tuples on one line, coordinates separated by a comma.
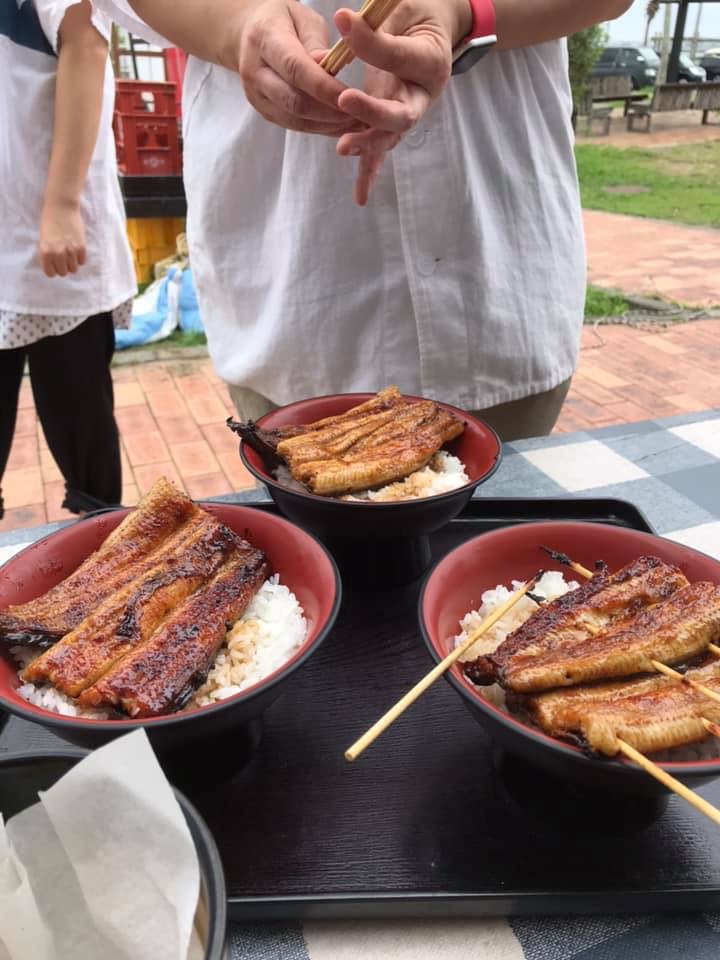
[(615, 86), (608, 90), (707, 99), (676, 96)]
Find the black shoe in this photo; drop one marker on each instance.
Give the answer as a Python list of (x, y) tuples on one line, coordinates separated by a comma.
[(78, 502)]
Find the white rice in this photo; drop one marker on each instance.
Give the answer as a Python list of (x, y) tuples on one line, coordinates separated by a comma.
[(269, 632), (550, 586), (444, 473)]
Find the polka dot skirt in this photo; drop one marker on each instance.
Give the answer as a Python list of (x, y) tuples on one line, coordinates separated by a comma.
[(22, 329)]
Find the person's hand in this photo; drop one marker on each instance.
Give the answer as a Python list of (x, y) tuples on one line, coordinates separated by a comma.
[(409, 62), (62, 240), (280, 44)]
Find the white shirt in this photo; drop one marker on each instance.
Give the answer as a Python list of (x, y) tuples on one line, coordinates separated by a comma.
[(28, 67), (464, 278)]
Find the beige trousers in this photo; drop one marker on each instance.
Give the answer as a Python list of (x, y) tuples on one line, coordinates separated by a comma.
[(529, 417)]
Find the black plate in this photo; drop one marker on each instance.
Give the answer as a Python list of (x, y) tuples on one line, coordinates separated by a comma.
[(431, 820)]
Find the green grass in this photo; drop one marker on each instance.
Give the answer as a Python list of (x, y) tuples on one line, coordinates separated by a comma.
[(186, 338), (178, 338), (600, 303), (681, 182)]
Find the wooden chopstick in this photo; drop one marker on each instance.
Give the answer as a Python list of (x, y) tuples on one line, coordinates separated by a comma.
[(668, 781), (374, 12), (353, 752)]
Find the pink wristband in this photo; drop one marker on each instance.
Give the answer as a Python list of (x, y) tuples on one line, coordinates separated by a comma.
[(483, 22)]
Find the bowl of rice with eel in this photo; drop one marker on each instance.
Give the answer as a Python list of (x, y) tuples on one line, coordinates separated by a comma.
[(368, 465), (188, 619), (569, 668)]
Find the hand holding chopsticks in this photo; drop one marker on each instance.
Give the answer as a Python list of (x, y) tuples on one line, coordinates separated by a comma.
[(409, 65), (353, 752)]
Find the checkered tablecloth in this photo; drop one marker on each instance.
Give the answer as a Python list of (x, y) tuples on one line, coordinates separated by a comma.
[(671, 470)]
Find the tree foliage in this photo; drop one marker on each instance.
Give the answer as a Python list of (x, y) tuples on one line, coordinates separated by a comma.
[(650, 13), (584, 48)]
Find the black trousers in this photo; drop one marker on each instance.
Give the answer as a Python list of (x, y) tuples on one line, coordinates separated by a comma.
[(73, 392)]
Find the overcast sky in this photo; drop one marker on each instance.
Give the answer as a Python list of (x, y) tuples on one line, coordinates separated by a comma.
[(631, 26)]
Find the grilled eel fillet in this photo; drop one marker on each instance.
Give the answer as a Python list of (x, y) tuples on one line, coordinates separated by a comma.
[(650, 714), (372, 451), (673, 631), (160, 675), (127, 618), (266, 441), (138, 540), (571, 622)]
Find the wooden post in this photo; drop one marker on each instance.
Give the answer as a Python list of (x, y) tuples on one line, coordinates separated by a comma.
[(674, 62)]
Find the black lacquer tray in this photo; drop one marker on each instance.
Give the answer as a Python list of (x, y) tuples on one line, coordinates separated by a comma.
[(432, 820)]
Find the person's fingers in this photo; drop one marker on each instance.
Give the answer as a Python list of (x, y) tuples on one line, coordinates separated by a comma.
[(287, 56), (71, 262), (292, 101), (356, 143), (312, 29), (81, 255), (46, 260), (396, 116), (59, 264), (416, 58), (269, 111), (368, 169)]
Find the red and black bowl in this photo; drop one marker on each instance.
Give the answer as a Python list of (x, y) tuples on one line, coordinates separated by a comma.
[(24, 775), (367, 537), (454, 587), (210, 741)]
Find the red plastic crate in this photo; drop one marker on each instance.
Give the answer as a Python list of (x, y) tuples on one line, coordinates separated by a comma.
[(140, 98), (147, 145), (175, 63)]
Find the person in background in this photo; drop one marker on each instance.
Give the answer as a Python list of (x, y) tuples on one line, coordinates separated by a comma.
[(462, 278), (66, 271)]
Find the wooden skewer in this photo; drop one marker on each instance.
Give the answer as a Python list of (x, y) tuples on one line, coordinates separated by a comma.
[(676, 675), (374, 12), (353, 752), (668, 781), (657, 665), (711, 727), (652, 768), (565, 560)]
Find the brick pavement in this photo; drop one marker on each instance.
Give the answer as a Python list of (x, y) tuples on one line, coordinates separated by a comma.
[(654, 257), (171, 414)]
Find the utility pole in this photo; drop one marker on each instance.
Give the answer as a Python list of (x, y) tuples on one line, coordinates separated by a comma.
[(696, 34), (665, 46), (672, 72)]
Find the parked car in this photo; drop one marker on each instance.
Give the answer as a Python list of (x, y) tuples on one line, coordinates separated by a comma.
[(640, 62), (689, 72), (710, 62)]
